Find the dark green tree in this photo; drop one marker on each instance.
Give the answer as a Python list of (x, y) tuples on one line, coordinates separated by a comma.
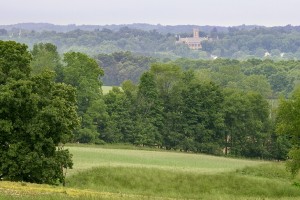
[(203, 117), (288, 124), (149, 110), (37, 116), (246, 123), (46, 57), (83, 73)]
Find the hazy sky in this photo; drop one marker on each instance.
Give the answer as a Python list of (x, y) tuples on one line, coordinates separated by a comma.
[(165, 12)]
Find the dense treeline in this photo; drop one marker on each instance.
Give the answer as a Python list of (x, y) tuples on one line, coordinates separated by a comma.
[(267, 77), (242, 42), (121, 66), (176, 109), (211, 109), (39, 27)]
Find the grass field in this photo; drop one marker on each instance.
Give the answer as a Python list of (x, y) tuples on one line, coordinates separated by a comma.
[(106, 89), (105, 173), (87, 157)]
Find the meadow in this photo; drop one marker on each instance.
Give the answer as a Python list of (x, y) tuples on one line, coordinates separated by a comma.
[(104, 172), (106, 89)]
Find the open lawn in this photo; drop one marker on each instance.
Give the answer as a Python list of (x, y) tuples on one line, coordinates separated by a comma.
[(104, 173), (85, 157), (106, 89)]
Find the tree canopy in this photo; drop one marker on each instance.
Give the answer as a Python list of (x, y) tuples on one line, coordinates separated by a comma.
[(288, 124), (37, 116)]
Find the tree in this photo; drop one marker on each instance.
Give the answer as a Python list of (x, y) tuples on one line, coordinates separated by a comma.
[(120, 123), (37, 116), (83, 73), (45, 57), (246, 123), (288, 124), (202, 117), (149, 110)]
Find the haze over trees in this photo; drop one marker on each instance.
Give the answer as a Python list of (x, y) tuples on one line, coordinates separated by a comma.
[(240, 42)]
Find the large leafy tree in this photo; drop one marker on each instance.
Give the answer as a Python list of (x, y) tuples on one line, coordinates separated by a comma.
[(202, 117), (83, 73), (45, 57), (37, 116), (149, 111), (288, 119), (246, 123)]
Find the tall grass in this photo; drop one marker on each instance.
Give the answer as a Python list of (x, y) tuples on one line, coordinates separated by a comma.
[(183, 185), (104, 173)]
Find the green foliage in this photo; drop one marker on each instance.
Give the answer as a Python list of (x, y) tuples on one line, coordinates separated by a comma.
[(14, 61), (121, 66), (175, 109), (83, 73), (241, 42), (247, 124), (45, 57), (269, 78), (36, 116), (288, 124)]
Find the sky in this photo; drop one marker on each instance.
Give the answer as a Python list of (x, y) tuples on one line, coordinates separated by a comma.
[(164, 12)]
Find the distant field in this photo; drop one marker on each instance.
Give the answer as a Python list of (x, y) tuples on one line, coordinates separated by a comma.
[(88, 157), (104, 173), (106, 89)]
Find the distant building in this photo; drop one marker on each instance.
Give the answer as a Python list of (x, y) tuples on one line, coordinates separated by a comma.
[(192, 42)]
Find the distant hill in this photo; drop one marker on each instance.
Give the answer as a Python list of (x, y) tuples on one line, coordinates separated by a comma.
[(159, 41), (176, 29)]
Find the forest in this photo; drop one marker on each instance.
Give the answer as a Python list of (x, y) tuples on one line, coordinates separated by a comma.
[(220, 107), (239, 42)]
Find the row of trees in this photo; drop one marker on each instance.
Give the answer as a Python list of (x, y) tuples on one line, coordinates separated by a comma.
[(172, 108), (270, 78), (176, 109), (244, 42)]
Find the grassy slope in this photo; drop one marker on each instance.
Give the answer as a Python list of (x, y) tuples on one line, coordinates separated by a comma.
[(106, 89), (101, 173), (87, 157)]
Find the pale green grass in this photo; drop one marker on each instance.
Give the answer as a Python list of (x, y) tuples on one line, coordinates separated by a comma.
[(104, 173), (162, 183), (106, 89), (87, 157)]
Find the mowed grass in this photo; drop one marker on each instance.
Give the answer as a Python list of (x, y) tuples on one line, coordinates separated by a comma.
[(104, 173), (106, 89), (86, 157)]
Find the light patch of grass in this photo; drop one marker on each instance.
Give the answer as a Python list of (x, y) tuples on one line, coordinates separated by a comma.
[(87, 157), (106, 89)]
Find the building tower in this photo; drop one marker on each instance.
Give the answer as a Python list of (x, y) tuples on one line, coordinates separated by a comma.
[(196, 32)]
